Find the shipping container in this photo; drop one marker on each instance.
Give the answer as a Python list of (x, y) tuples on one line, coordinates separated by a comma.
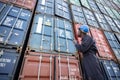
[(67, 68), (14, 22), (75, 2), (117, 22), (90, 18), (77, 14), (62, 9), (111, 69), (45, 66), (112, 24), (8, 63), (102, 8), (85, 3), (118, 37), (115, 6), (109, 11), (41, 36), (45, 6), (27, 4), (116, 13), (102, 21), (93, 6), (40, 67), (103, 47), (64, 36), (114, 44)]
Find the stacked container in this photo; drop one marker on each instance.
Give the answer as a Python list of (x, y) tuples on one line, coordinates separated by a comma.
[(36, 38), (14, 24), (50, 45)]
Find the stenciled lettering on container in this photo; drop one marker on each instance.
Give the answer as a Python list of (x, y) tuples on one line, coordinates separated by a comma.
[(4, 61)]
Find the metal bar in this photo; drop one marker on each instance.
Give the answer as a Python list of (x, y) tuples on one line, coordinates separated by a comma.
[(12, 28), (39, 66), (59, 67), (5, 15), (50, 67), (68, 68)]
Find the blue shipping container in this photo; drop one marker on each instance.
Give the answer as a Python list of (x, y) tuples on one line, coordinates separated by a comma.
[(113, 43), (90, 18), (14, 23), (77, 13), (103, 23), (62, 9), (8, 63), (64, 36), (112, 24), (111, 69), (45, 6), (41, 37)]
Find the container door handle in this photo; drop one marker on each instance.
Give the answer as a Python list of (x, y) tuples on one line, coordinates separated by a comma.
[(50, 67), (59, 67), (39, 66), (68, 68)]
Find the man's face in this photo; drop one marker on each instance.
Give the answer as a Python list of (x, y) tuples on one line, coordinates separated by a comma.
[(79, 33)]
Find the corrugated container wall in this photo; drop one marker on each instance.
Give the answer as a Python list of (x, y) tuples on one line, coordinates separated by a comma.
[(13, 28)]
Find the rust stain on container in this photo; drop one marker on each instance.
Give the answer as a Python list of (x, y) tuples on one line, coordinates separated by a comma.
[(67, 68), (102, 44)]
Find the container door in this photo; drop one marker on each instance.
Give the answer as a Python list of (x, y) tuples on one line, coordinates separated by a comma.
[(38, 68), (8, 63), (62, 9), (67, 68), (63, 36), (45, 6), (78, 15), (41, 38), (90, 18)]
